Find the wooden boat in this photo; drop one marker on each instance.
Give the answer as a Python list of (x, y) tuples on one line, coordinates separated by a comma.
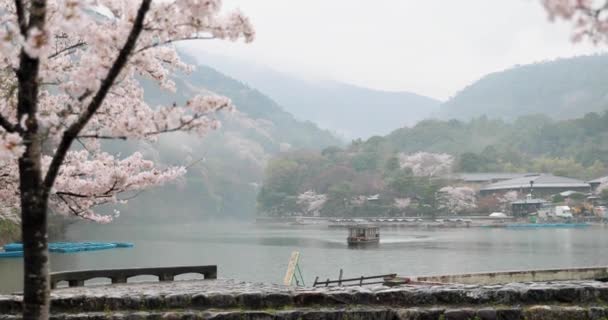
[(363, 234)]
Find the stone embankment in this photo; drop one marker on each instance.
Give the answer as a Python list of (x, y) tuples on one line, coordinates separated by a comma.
[(228, 299)]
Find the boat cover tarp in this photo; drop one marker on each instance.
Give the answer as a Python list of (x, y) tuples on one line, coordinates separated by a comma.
[(16, 249)]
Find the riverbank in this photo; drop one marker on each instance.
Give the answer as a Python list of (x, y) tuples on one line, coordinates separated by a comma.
[(429, 223), (230, 299)]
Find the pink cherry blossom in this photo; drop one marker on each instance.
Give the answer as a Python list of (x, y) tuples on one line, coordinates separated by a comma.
[(456, 199), (427, 164), (76, 50), (402, 203), (589, 17), (11, 147), (311, 202)]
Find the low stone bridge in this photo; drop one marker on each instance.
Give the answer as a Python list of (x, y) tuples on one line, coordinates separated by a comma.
[(230, 299), (78, 278)]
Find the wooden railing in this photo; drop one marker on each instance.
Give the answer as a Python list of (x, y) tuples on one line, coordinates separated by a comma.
[(77, 278), (361, 281)]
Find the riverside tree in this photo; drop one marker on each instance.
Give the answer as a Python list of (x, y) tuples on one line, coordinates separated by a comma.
[(456, 199), (70, 71)]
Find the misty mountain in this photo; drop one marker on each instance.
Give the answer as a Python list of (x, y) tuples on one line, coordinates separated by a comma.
[(562, 89), (226, 166), (350, 111)]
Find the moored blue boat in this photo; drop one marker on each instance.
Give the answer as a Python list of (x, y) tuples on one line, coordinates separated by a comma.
[(11, 254), (13, 250)]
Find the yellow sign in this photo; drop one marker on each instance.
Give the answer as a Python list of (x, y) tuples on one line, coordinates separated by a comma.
[(291, 268)]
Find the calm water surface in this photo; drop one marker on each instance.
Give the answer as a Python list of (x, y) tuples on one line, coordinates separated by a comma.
[(260, 253)]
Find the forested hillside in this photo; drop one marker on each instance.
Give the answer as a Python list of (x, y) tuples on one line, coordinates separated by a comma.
[(393, 167), (562, 89), (226, 167)]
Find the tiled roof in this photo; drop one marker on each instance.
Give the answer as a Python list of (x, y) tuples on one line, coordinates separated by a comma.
[(599, 180), (486, 176), (540, 181)]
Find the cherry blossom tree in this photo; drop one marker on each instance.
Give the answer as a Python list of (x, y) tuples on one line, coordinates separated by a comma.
[(69, 74), (426, 164), (590, 17), (311, 202), (456, 199), (401, 203), (507, 198)]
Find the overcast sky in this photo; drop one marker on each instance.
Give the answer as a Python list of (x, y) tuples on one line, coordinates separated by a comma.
[(430, 47)]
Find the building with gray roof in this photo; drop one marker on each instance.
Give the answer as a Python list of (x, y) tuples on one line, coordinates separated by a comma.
[(476, 180), (541, 184), (486, 177), (596, 182)]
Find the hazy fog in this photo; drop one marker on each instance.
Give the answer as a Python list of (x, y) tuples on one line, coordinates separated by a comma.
[(433, 48)]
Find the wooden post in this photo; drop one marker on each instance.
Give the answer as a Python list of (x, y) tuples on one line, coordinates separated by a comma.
[(315, 284), (327, 282), (340, 279), (361, 282)]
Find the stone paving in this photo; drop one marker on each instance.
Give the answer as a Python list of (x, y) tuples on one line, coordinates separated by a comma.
[(230, 299)]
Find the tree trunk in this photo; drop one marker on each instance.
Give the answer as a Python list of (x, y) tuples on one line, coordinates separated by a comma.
[(34, 234), (34, 195)]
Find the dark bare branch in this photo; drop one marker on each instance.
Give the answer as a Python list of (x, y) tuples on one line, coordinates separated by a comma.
[(79, 195), (72, 132), (183, 124), (7, 125), (67, 49), (98, 136)]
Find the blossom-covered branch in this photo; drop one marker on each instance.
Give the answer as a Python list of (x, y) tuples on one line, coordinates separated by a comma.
[(590, 17), (85, 59), (72, 132)]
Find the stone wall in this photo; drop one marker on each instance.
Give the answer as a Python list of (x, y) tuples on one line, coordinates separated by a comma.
[(227, 299)]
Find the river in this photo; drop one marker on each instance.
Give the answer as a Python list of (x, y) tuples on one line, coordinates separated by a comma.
[(260, 253)]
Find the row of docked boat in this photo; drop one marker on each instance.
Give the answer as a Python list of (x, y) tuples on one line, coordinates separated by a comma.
[(15, 250)]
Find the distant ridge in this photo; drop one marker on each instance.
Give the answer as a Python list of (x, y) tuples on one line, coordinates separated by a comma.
[(350, 111), (563, 89)]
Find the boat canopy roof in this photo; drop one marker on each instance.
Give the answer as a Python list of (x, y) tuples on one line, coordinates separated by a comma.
[(363, 226)]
